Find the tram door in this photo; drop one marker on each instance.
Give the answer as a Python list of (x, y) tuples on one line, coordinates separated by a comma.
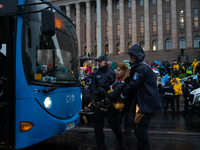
[(7, 40)]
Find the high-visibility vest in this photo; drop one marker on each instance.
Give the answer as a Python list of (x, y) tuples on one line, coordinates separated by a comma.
[(189, 70)]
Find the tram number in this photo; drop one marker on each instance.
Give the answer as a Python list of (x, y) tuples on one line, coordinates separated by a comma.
[(69, 126)]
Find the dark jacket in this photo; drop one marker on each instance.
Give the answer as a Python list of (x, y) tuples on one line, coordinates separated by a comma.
[(103, 77), (143, 84), (168, 90), (186, 90)]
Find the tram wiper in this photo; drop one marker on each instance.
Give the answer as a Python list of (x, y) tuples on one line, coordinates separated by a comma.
[(50, 89)]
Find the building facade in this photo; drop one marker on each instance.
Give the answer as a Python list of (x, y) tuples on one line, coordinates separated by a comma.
[(161, 27)]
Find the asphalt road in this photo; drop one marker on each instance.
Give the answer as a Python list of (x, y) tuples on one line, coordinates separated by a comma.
[(166, 132)]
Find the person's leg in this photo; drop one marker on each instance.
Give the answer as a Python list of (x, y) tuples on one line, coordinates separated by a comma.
[(112, 120), (99, 117), (119, 117), (178, 102), (141, 122), (172, 104), (128, 122), (166, 104)]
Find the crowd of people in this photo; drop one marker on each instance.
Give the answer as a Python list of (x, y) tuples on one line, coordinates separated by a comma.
[(122, 90), (134, 91)]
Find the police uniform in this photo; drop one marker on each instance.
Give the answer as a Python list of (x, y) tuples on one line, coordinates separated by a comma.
[(104, 77), (145, 95)]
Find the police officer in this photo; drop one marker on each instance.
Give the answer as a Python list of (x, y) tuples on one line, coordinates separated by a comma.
[(168, 92), (145, 95), (104, 77)]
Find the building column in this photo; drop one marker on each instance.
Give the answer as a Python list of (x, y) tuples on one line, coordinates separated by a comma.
[(88, 26), (68, 10), (110, 27), (174, 24), (78, 31), (160, 25), (146, 27), (188, 23), (122, 33), (134, 22)]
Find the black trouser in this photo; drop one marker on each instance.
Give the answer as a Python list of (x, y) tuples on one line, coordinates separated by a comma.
[(99, 117), (186, 105), (128, 119), (177, 98), (169, 99), (141, 122)]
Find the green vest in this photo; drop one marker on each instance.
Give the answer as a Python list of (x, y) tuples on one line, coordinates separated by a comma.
[(189, 70)]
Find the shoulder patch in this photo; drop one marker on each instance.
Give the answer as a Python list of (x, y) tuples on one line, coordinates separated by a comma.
[(135, 76)]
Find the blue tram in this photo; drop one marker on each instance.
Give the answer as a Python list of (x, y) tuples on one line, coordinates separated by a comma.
[(43, 92)]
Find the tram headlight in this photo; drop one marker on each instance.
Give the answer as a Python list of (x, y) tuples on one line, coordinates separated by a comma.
[(81, 96), (48, 102)]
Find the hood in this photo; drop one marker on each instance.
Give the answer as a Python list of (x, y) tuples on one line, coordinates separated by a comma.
[(137, 51), (178, 80)]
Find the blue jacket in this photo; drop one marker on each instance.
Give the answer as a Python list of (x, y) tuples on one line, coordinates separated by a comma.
[(103, 77), (143, 84)]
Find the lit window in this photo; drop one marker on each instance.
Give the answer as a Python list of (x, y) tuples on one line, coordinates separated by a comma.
[(182, 43), (196, 19), (155, 45), (142, 44), (129, 27), (95, 50), (168, 44), (106, 24), (129, 45), (106, 49), (141, 25), (118, 28), (154, 24), (118, 48), (167, 23), (181, 20), (85, 50)]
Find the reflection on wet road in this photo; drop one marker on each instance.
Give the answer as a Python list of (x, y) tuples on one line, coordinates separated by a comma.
[(166, 132)]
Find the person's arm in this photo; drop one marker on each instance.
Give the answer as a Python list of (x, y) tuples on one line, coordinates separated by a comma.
[(133, 85), (93, 84)]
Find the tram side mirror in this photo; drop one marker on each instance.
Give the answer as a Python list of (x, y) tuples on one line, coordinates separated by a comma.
[(48, 22)]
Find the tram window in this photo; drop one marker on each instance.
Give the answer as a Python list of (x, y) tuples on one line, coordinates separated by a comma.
[(53, 58)]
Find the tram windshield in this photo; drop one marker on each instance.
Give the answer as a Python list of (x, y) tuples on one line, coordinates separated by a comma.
[(49, 59)]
